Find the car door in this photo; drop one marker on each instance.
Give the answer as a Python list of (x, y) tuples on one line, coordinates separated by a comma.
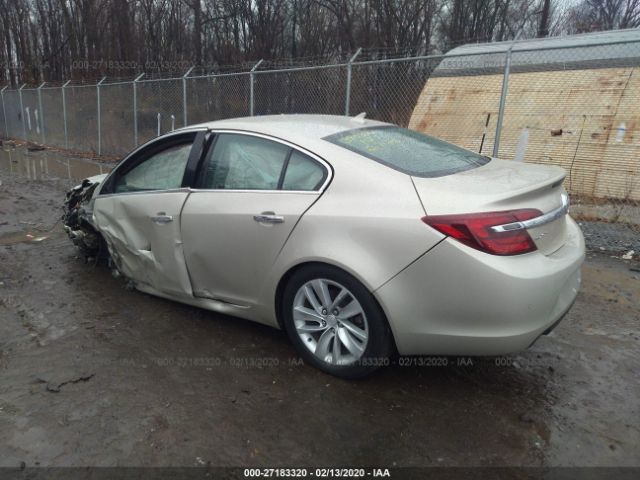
[(138, 212), (252, 190)]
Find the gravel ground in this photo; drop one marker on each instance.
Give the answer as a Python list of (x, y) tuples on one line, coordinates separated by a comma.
[(92, 373), (617, 238)]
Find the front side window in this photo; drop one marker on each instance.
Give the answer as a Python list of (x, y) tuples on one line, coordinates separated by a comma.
[(161, 171), (408, 151)]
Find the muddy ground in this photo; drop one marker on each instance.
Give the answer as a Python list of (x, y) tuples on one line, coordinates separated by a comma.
[(92, 373)]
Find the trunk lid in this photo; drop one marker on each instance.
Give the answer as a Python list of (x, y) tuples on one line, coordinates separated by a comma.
[(500, 185)]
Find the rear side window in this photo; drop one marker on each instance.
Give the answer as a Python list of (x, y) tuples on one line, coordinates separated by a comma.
[(242, 162), (302, 173), (410, 152), (245, 162)]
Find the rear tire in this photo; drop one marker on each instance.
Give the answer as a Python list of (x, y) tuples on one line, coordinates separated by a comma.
[(335, 323)]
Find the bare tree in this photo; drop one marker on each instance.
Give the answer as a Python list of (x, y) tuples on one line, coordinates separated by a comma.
[(60, 39), (596, 15), (543, 27)]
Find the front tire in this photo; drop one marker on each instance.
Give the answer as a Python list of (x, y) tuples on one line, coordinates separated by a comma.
[(335, 323)]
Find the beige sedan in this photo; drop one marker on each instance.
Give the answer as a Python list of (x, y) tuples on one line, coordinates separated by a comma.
[(358, 238)]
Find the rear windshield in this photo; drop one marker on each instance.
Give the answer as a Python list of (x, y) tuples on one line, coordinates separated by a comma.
[(410, 152)]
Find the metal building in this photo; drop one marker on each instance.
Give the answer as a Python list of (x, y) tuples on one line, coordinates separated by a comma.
[(572, 101)]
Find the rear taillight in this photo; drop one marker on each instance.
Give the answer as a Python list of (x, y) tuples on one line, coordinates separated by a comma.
[(474, 230)]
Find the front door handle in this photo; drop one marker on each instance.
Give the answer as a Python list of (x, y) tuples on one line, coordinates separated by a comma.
[(268, 217), (162, 218)]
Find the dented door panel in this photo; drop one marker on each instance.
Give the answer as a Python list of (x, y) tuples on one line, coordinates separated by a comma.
[(142, 231), (229, 253)]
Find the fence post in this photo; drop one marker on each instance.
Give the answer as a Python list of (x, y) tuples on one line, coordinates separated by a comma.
[(4, 112), (347, 98), (251, 81), (44, 138), (24, 127), (64, 113), (135, 110), (503, 101), (99, 123), (184, 95)]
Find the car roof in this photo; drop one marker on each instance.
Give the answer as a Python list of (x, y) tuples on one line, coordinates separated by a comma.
[(302, 127)]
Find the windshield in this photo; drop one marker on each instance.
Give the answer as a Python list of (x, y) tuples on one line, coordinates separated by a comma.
[(410, 152)]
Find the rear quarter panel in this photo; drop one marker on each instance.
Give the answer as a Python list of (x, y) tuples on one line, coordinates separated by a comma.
[(367, 222)]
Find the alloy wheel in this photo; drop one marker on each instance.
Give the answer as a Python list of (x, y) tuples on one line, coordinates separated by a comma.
[(330, 321)]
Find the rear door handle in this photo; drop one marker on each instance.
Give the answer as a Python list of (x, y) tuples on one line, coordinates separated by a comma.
[(268, 217), (162, 218)]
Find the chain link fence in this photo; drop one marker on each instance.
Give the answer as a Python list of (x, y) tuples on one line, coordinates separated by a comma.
[(390, 90), (217, 97), (160, 107), (116, 118), (82, 117), (52, 106), (568, 102), (319, 89)]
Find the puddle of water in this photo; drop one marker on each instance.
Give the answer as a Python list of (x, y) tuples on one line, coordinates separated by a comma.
[(46, 164)]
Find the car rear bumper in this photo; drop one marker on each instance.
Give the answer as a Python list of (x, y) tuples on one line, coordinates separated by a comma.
[(455, 300)]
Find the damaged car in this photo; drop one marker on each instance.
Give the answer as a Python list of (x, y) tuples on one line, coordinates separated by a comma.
[(359, 238)]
